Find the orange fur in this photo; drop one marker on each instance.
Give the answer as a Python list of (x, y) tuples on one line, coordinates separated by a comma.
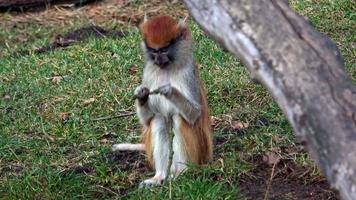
[(198, 138), (159, 31), (147, 140)]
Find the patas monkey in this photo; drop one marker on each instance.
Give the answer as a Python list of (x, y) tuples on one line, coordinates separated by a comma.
[(179, 104)]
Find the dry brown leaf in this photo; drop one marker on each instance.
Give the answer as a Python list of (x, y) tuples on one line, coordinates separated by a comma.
[(64, 116), (21, 38), (133, 70), (94, 9), (213, 121), (237, 125), (88, 101), (58, 99), (114, 55), (56, 79), (108, 134), (104, 141), (271, 158)]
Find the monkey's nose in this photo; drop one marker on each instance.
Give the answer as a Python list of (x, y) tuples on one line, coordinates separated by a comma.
[(161, 60)]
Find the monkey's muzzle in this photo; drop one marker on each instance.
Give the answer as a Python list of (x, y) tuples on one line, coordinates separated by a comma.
[(161, 60)]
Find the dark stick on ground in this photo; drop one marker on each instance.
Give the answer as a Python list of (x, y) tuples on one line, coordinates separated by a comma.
[(114, 116), (37, 5), (79, 35)]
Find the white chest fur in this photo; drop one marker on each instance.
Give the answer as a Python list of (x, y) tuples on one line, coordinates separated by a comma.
[(154, 77)]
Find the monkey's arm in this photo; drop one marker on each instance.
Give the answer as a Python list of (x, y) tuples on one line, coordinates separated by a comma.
[(144, 113), (188, 108)]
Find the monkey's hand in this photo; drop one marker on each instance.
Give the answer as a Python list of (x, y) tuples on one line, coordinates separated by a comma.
[(141, 94), (165, 90)]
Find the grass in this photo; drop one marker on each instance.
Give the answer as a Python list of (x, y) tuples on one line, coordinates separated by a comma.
[(43, 156)]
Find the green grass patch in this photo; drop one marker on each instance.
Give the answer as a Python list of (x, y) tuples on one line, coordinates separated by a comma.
[(50, 148)]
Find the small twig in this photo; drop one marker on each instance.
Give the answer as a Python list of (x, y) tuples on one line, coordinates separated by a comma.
[(109, 190), (112, 93), (115, 116), (97, 31), (170, 175), (269, 182), (153, 92), (170, 188), (13, 152), (45, 133)]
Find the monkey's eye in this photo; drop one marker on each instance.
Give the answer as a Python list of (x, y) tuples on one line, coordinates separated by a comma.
[(152, 56), (152, 50), (164, 51)]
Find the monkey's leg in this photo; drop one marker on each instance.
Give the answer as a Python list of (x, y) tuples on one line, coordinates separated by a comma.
[(160, 144), (179, 150)]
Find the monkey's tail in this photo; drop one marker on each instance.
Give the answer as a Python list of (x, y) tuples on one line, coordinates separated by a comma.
[(128, 147)]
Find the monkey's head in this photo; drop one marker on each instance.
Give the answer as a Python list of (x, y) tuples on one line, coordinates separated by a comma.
[(164, 39)]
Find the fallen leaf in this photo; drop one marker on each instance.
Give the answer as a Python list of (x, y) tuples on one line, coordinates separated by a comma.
[(175, 1), (114, 55), (64, 116), (271, 158), (88, 101), (58, 99), (108, 134), (56, 79), (246, 125), (237, 125), (104, 141), (43, 107), (133, 70), (93, 9), (21, 38), (213, 121)]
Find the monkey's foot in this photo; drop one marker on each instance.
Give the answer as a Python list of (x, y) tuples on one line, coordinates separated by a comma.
[(152, 182)]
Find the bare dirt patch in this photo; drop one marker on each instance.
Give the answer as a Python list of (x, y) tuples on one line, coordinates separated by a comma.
[(290, 181), (132, 162), (122, 12), (80, 35), (129, 160), (284, 179)]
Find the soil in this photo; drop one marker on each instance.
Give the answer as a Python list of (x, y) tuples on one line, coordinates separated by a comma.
[(80, 35), (38, 5), (135, 164), (288, 182), (129, 160)]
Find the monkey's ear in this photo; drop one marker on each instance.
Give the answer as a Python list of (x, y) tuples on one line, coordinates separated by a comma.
[(184, 27), (144, 21)]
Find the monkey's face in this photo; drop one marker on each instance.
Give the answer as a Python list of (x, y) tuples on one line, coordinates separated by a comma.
[(163, 57)]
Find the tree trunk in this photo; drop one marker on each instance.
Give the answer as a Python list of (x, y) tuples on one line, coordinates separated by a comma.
[(301, 68), (22, 5)]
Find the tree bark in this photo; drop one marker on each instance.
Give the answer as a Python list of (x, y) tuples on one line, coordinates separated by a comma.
[(301, 68), (23, 5)]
